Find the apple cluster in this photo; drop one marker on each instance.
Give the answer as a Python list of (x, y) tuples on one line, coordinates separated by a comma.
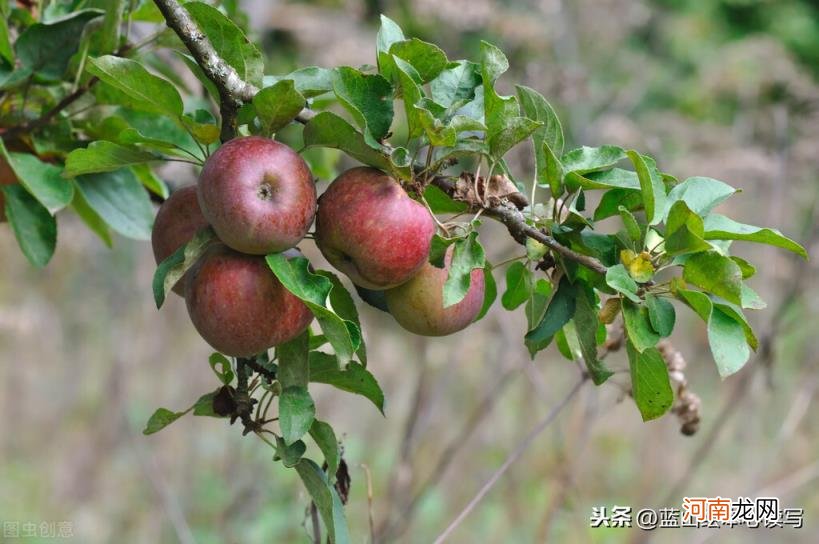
[(259, 197)]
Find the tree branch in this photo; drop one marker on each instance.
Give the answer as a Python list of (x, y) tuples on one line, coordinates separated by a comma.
[(233, 91)]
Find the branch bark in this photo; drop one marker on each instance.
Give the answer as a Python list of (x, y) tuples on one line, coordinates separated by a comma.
[(233, 91)]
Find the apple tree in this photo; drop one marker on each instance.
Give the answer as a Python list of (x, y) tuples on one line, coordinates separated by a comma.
[(89, 115)]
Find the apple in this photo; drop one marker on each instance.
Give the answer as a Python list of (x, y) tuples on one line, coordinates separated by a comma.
[(368, 227), (258, 194), (418, 305), (176, 222), (239, 306)]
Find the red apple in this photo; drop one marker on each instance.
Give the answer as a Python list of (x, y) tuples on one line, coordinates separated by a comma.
[(176, 222), (258, 194), (417, 305), (368, 227), (239, 306)]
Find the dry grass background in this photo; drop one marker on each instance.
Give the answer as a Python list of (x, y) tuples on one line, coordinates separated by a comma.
[(85, 357)]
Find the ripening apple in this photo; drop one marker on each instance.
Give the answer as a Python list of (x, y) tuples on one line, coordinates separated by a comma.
[(368, 227), (418, 305), (258, 195), (176, 222), (239, 306)]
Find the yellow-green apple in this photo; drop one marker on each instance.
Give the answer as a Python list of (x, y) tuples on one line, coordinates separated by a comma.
[(239, 306), (176, 222), (368, 227), (418, 304), (258, 195)]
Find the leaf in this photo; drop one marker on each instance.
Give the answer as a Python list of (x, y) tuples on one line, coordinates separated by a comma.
[(440, 202), (661, 314), (456, 84), (34, 228), (310, 81), (221, 367), (45, 48), (615, 178), (651, 186), (170, 271), (586, 325), (515, 130), (411, 94), (548, 138), (91, 218), (502, 114), (202, 126), (325, 439), (151, 181), (467, 255), (41, 179), (490, 292), (388, 34), (161, 419), (560, 310), (751, 299), (650, 385), (278, 105), (427, 59), (684, 231), (638, 326), (313, 290), (290, 455), (716, 274), (585, 160), (735, 312), (294, 367), (343, 305), (613, 199), (635, 232), (368, 98), (618, 278), (149, 93), (119, 198), (353, 379), (5, 46), (296, 413), (329, 130), (326, 499), (103, 156), (719, 227), (700, 194), (726, 337), (229, 41), (519, 285), (204, 406)]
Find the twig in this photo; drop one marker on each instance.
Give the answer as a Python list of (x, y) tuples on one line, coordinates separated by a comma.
[(510, 460)]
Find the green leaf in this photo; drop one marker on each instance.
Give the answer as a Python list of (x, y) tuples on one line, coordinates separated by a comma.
[(490, 291), (353, 379), (45, 48), (661, 314), (34, 228), (151, 181), (726, 336), (751, 299), (586, 325), (585, 160), (650, 385), (119, 198), (161, 419), (313, 290), (204, 406), (684, 231), (514, 131), (343, 305), (148, 92), (5, 46), (457, 84), (700, 194), (368, 98), (615, 178), (467, 255), (170, 271), (296, 413), (651, 186), (310, 81), (735, 312), (638, 326), (229, 41), (292, 358), (635, 232), (716, 274), (388, 34), (42, 180), (103, 156), (748, 270), (411, 95), (618, 278), (560, 310), (519, 285), (290, 455), (548, 138), (502, 114), (202, 126), (440, 202), (221, 367), (326, 499), (719, 227), (329, 130), (427, 59), (613, 199), (278, 105), (91, 218), (326, 440)]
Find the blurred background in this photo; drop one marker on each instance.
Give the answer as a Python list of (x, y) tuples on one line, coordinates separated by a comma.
[(723, 88)]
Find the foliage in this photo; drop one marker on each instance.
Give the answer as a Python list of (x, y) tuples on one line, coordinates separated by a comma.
[(672, 251)]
